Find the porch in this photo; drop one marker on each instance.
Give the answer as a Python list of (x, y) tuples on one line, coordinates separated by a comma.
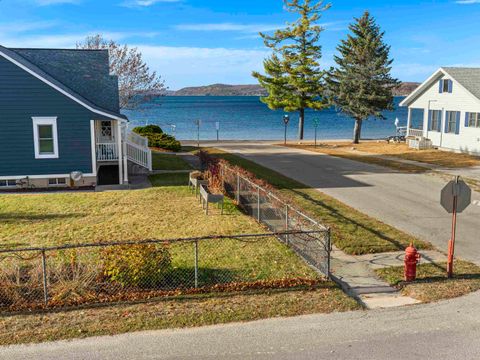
[(115, 145)]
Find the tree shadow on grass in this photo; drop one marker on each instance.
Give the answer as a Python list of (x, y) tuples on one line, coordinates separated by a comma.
[(22, 217)]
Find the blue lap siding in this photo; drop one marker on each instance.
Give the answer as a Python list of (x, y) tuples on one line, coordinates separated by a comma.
[(23, 96)]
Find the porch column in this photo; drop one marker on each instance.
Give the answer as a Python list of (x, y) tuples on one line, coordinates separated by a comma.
[(125, 161), (120, 152), (94, 147), (409, 121)]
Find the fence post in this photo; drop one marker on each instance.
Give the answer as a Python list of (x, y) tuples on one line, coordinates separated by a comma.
[(44, 273), (238, 188), (196, 264), (287, 225), (329, 252), (258, 204)]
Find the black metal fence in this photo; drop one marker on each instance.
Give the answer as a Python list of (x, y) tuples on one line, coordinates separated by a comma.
[(280, 216)]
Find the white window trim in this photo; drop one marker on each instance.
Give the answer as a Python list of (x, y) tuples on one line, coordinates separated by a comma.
[(45, 121)]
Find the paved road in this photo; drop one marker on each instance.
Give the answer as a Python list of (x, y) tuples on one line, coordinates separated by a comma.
[(449, 330), (409, 202)]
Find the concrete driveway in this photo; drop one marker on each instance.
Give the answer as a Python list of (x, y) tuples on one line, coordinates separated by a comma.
[(409, 202), (448, 330)]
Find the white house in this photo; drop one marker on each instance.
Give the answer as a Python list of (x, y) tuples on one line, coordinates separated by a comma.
[(446, 110)]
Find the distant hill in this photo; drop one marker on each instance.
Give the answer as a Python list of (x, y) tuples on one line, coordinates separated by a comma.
[(256, 90), (222, 90), (406, 88)]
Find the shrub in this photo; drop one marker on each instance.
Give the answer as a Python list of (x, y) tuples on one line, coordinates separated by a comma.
[(164, 141), (157, 138), (149, 129), (137, 265)]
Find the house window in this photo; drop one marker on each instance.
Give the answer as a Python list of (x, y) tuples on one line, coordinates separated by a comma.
[(446, 86), (8, 183), (435, 123), (474, 120), (57, 182), (45, 137), (451, 122), (107, 133)]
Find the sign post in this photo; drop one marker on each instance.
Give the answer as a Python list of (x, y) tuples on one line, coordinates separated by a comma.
[(456, 197), (316, 122), (217, 127), (286, 120)]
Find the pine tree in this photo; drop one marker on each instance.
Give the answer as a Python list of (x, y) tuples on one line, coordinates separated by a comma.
[(361, 85), (294, 79)]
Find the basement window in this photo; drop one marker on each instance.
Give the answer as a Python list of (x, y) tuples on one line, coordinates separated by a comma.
[(8, 183), (57, 182)]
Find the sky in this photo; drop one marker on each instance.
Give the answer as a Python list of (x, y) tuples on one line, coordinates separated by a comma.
[(201, 42)]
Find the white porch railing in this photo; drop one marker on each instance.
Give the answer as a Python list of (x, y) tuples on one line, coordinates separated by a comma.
[(107, 152), (415, 132), (139, 155)]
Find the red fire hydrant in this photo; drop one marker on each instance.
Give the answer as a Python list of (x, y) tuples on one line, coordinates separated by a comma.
[(412, 258)]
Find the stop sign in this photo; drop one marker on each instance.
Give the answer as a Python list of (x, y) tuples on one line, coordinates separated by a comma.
[(459, 189)]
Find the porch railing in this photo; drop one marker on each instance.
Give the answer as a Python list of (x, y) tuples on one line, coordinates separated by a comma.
[(415, 132), (107, 151), (140, 155)]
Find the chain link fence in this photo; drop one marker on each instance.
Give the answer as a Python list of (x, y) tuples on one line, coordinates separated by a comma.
[(279, 216), (72, 275)]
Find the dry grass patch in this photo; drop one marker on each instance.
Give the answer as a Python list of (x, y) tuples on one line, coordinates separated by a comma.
[(432, 283), (173, 313), (367, 150), (157, 213)]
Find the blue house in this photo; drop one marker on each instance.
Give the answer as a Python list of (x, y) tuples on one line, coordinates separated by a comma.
[(60, 121)]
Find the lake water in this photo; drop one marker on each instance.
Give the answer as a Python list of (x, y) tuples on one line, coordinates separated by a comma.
[(246, 118)]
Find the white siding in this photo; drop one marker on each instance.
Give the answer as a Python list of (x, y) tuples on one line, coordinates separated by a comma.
[(459, 100)]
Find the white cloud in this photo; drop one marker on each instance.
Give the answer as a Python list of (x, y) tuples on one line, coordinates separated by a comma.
[(193, 66), (467, 2), (249, 28), (145, 3)]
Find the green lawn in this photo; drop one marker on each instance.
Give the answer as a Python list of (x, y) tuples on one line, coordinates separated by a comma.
[(162, 161), (352, 231), (432, 283)]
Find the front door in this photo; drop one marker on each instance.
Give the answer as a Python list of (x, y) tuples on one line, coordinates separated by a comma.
[(105, 132)]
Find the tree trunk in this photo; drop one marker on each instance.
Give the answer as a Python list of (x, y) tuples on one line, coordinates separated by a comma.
[(357, 131), (301, 124)]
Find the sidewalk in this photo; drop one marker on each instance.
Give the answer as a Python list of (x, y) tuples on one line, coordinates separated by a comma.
[(357, 277)]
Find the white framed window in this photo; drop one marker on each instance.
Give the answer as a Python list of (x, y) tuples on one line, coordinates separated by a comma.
[(45, 137), (452, 122), (57, 182), (8, 183), (436, 120), (474, 120)]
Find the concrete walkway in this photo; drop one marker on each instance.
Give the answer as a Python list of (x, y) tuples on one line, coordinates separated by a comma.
[(358, 279), (409, 202)]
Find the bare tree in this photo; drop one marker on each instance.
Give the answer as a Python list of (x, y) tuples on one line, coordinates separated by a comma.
[(136, 81)]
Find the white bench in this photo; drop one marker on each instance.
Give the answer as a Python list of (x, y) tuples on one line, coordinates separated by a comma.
[(195, 183), (207, 197)]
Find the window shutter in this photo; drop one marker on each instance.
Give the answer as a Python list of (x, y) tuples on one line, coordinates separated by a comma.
[(467, 119), (447, 116), (430, 112), (457, 125), (440, 118), (450, 86), (440, 86)]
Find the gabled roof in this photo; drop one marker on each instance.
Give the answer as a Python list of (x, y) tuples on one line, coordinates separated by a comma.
[(468, 78), (81, 75)]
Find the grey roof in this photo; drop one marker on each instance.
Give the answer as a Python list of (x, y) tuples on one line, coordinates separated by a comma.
[(83, 74), (469, 78)]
